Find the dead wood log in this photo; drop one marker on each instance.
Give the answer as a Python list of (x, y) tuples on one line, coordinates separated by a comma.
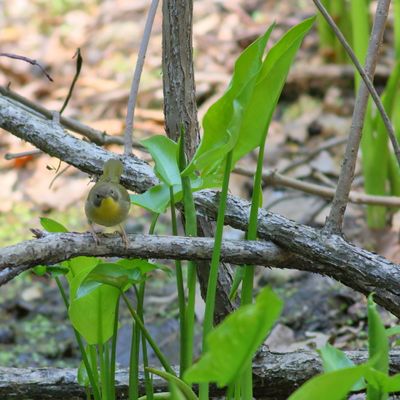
[(276, 376)]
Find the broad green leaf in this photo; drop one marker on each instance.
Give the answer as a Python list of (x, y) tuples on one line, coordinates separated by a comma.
[(333, 385), (378, 347), (221, 123), (232, 344), (80, 264), (141, 265), (164, 152), (334, 360), (112, 274), (382, 382), (270, 81), (182, 386), (93, 315), (52, 226), (156, 199)]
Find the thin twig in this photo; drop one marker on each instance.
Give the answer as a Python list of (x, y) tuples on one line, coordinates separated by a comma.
[(334, 221), (13, 156), (136, 77), (333, 142), (276, 179), (28, 60), (58, 174), (79, 61), (381, 13), (94, 135)]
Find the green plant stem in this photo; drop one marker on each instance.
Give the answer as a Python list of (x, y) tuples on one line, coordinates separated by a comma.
[(78, 338), (190, 230), (213, 276), (158, 396), (360, 32), (93, 360), (113, 360), (396, 24), (181, 291), (134, 362), (140, 308), (247, 286), (103, 372), (146, 334), (106, 353)]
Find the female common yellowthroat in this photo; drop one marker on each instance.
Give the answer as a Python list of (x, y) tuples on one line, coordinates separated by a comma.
[(108, 201)]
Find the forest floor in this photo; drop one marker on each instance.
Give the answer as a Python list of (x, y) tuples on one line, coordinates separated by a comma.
[(317, 309)]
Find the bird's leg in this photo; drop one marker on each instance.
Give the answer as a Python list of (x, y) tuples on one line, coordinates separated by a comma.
[(123, 235), (93, 232)]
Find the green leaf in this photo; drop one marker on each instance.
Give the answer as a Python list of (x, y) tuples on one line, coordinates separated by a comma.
[(40, 270), (112, 274), (394, 330), (182, 386), (221, 123), (164, 152), (81, 264), (82, 376), (271, 78), (52, 226), (381, 382), (232, 344), (333, 385), (334, 360), (57, 270), (378, 347), (156, 199), (93, 315), (141, 265)]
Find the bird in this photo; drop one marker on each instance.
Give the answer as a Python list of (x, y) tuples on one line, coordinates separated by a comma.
[(108, 202)]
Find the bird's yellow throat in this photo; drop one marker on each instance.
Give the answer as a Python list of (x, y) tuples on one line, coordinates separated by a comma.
[(108, 210)]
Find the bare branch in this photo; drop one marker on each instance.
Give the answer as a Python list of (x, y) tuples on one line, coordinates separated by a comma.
[(381, 16), (276, 179), (28, 60), (55, 141), (94, 135), (54, 248), (136, 78), (335, 219)]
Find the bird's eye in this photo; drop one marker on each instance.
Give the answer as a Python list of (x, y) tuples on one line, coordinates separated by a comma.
[(97, 195)]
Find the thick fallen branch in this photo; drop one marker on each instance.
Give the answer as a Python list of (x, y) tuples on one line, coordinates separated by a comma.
[(276, 376), (56, 247), (328, 255), (300, 248)]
